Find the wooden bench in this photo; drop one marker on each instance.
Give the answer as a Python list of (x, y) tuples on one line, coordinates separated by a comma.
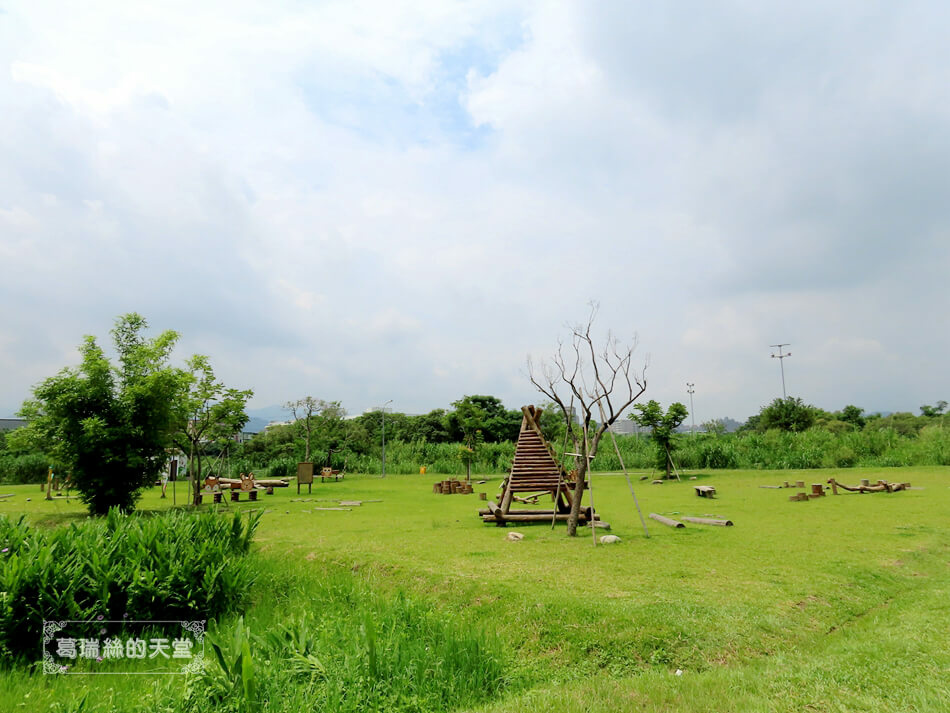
[(705, 491), (329, 473)]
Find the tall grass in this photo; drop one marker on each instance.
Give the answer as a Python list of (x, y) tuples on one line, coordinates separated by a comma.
[(353, 652), (815, 448)]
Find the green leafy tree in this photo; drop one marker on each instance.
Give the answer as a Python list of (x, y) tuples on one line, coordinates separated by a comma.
[(486, 414), (470, 418), (933, 411), (789, 414), (663, 427), (109, 424), (429, 427), (853, 415), (208, 415)]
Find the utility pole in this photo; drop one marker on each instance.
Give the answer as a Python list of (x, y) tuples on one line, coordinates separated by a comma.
[(780, 356), (690, 389), (382, 410)]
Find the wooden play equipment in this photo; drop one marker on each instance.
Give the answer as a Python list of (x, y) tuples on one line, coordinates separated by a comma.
[(330, 474), (534, 470), (705, 491), (247, 483), (451, 487), (669, 522), (708, 521), (882, 486)]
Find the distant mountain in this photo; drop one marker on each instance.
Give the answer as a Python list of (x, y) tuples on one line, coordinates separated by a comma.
[(258, 418)]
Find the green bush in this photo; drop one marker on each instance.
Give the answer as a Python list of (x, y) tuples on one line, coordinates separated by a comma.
[(176, 565), (25, 468), (284, 467)]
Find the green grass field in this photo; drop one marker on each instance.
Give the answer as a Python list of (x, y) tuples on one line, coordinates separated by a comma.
[(835, 604)]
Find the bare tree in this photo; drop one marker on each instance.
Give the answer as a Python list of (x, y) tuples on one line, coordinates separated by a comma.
[(587, 376), (304, 411)]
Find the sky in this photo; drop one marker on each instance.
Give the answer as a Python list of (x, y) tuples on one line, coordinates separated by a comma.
[(367, 201)]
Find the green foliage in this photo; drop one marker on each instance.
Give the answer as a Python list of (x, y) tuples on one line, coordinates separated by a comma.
[(173, 566), (355, 652), (663, 425), (903, 422), (482, 413), (933, 411), (789, 414), (853, 415), (109, 424), (25, 468), (207, 414)]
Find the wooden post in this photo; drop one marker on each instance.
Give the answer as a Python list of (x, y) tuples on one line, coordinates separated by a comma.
[(865, 482), (816, 490), (834, 485)]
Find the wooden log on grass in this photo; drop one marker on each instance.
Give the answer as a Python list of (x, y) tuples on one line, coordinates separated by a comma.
[(666, 521), (709, 521)]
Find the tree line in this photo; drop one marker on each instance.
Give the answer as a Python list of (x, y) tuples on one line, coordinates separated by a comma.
[(112, 426)]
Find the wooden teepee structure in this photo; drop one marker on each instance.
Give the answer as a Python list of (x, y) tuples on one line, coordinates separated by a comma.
[(534, 472)]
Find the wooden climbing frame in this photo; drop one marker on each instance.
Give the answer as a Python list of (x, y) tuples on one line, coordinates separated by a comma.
[(536, 471)]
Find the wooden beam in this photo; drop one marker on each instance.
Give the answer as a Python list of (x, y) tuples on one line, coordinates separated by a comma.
[(709, 521), (666, 521)]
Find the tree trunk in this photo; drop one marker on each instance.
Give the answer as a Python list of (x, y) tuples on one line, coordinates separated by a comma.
[(195, 477), (578, 496), (191, 474)]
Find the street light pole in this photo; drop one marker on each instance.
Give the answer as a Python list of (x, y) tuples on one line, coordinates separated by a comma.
[(691, 390), (781, 360), (383, 410)]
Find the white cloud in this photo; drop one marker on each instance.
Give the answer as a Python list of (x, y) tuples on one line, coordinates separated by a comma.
[(364, 200)]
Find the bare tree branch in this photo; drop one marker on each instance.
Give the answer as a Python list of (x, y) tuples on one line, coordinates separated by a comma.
[(616, 386)]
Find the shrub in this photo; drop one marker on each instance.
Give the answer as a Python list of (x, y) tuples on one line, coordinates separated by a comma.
[(172, 566), (26, 468)]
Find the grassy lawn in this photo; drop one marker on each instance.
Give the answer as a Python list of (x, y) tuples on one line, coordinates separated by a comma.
[(835, 604)]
